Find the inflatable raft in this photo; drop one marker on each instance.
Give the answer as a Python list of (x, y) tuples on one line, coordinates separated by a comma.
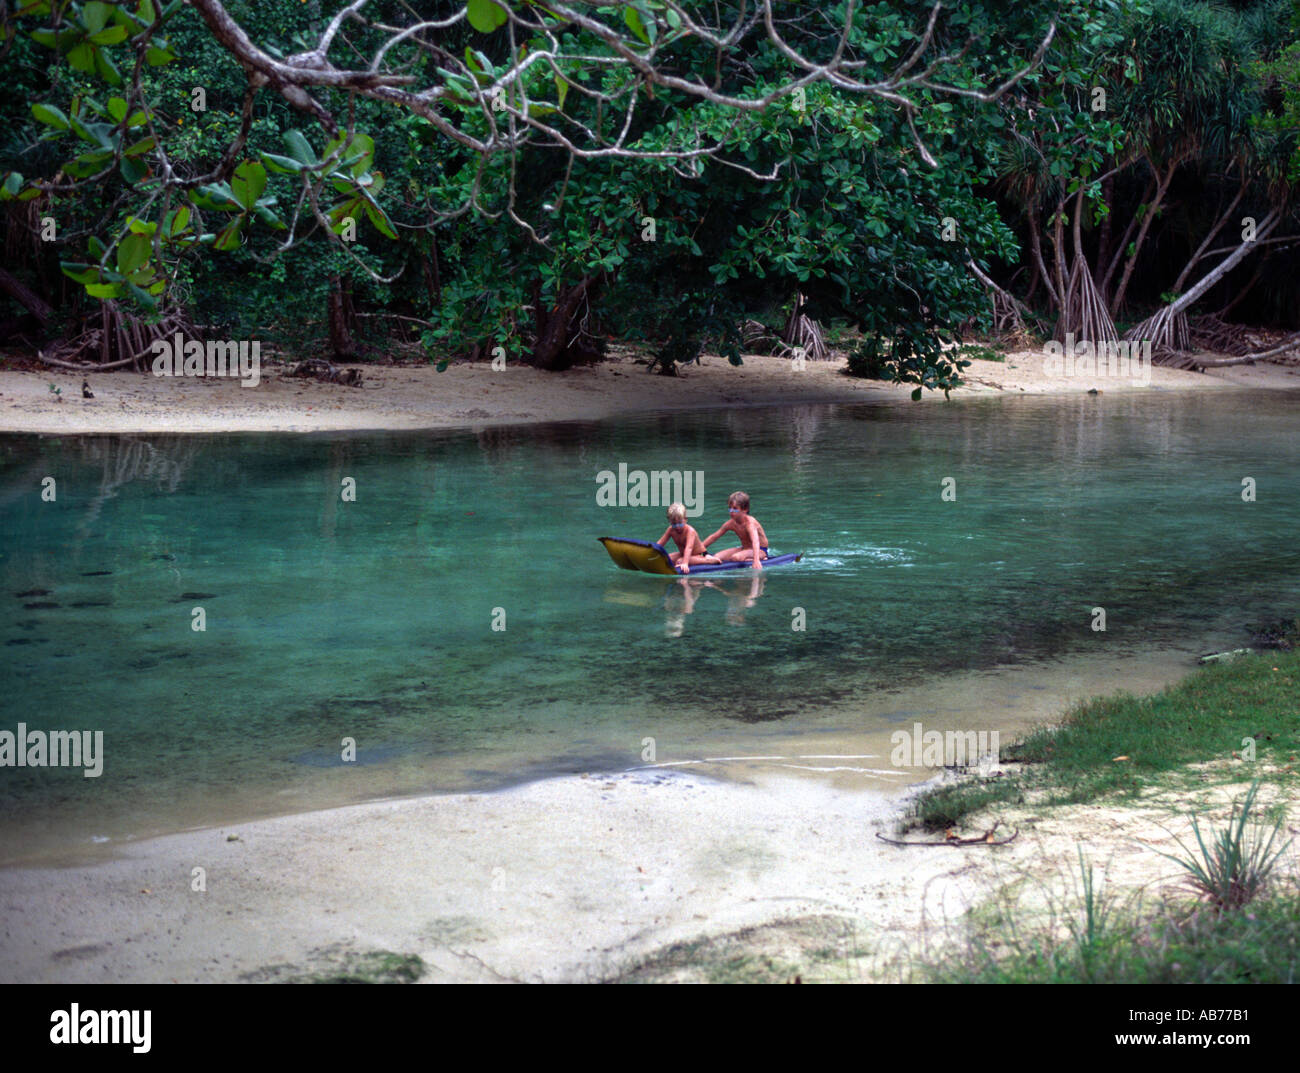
[(651, 558)]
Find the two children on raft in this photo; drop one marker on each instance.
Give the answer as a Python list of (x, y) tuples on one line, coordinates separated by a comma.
[(694, 551)]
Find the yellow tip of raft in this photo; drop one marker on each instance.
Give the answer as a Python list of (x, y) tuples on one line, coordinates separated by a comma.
[(638, 555)]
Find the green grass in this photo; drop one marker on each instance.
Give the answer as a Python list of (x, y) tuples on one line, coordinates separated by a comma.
[(1261, 945), (1205, 717), (1237, 862), (1101, 940)]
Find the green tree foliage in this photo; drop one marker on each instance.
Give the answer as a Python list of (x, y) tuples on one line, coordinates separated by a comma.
[(604, 164)]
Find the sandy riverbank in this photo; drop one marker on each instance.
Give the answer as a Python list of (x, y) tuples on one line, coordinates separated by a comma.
[(569, 879), (580, 877), (468, 395)]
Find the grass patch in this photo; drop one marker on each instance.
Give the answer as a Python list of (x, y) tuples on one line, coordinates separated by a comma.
[(804, 949), (338, 965), (1163, 947), (1103, 941), (374, 967), (1236, 863), (1208, 716)]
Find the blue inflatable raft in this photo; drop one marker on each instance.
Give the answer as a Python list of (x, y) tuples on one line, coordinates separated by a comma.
[(651, 558)]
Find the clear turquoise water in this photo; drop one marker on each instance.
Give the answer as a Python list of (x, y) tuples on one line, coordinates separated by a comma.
[(373, 619)]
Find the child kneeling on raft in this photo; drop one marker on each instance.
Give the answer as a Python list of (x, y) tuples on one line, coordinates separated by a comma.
[(691, 548)]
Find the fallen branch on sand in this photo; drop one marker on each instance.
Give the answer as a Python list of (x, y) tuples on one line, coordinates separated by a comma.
[(950, 839)]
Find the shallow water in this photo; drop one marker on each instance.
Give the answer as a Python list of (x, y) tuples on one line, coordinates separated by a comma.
[(373, 619)]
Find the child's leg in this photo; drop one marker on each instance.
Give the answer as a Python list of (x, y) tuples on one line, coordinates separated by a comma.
[(726, 554), (701, 558), (740, 555)]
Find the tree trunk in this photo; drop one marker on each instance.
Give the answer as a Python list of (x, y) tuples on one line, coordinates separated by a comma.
[(1117, 302), (1104, 285), (1036, 248), (1167, 327), (1105, 236), (1205, 245), (554, 350), (37, 306), (340, 319)]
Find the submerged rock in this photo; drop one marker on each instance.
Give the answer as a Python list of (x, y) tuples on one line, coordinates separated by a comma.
[(33, 592), (96, 573), (40, 605)]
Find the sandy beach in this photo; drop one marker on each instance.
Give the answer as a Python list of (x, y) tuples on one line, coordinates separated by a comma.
[(577, 879), (474, 395), (586, 877)]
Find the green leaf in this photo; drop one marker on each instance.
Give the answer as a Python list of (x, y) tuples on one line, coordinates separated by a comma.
[(107, 68), (215, 196), (916, 395), (13, 182), (50, 116), (60, 40), (176, 221), (117, 108), (132, 252), (268, 217), (228, 237), (635, 23), (381, 221), (104, 290), (143, 297), (132, 170), (114, 35), (561, 88), (82, 57), (299, 148), (95, 15), (356, 157), (156, 57), (282, 165), (247, 183), (485, 15), (82, 273)]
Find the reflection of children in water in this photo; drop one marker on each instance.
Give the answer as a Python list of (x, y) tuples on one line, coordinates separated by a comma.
[(679, 601)]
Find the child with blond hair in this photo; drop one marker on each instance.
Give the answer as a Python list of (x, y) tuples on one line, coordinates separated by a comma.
[(690, 547)]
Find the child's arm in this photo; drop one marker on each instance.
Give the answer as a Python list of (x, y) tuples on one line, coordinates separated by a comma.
[(664, 539), (710, 539)]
